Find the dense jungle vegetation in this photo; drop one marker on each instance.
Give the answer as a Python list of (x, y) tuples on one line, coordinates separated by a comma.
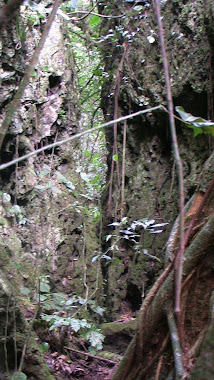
[(106, 187)]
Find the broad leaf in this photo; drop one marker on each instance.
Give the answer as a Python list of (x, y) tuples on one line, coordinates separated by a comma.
[(44, 347), (96, 339), (198, 124), (18, 376), (94, 258), (94, 20)]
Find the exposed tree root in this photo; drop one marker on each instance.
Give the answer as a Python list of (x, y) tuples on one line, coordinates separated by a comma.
[(151, 314), (177, 351)]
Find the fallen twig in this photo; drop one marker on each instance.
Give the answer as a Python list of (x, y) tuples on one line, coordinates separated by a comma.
[(91, 356)]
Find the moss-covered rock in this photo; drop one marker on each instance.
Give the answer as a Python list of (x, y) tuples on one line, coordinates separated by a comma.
[(151, 189)]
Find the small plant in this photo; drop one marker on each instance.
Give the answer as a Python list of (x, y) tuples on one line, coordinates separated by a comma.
[(134, 234), (63, 309)]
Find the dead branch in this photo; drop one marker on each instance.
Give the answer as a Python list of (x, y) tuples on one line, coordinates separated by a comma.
[(90, 355), (78, 135)]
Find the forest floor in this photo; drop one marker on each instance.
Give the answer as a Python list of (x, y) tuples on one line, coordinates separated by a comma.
[(73, 367)]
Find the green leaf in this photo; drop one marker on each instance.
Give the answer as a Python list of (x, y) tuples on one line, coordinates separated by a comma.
[(44, 347), (94, 20), (84, 176), (18, 376), (61, 112), (32, 171), (44, 287), (40, 187), (46, 170), (95, 179), (87, 153), (187, 116), (55, 190), (99, 310), (95, 36), (108, 237), (64, 180), (94, 258), (115, 157), (45, 68), (116, 260), (6, 197), (98, 72), (25, 291), (92, 350), (198, 124), (96, 339), (138, 8)]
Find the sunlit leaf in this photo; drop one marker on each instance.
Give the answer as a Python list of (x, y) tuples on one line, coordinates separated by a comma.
[(94, 258), (45, 68), (99, 310), (159, 225), (114, 224), (124, 220), (145, 252), (198, 124), (106, 257), (127, 232), (94, 20), (138, 8), (85, 177), (151, 39), (108, 237), (151, 231)]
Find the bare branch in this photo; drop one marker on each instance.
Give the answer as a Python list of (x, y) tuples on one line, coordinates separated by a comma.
[(78, 135)]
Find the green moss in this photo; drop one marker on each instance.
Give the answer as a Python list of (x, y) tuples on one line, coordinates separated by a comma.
[(117, 327), (4, 255), (35, 365)]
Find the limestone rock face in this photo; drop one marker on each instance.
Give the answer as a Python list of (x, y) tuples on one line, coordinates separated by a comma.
[(34, 225), (132, 53)]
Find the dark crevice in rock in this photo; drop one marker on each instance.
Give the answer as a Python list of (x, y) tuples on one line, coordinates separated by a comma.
[(133, 296)]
